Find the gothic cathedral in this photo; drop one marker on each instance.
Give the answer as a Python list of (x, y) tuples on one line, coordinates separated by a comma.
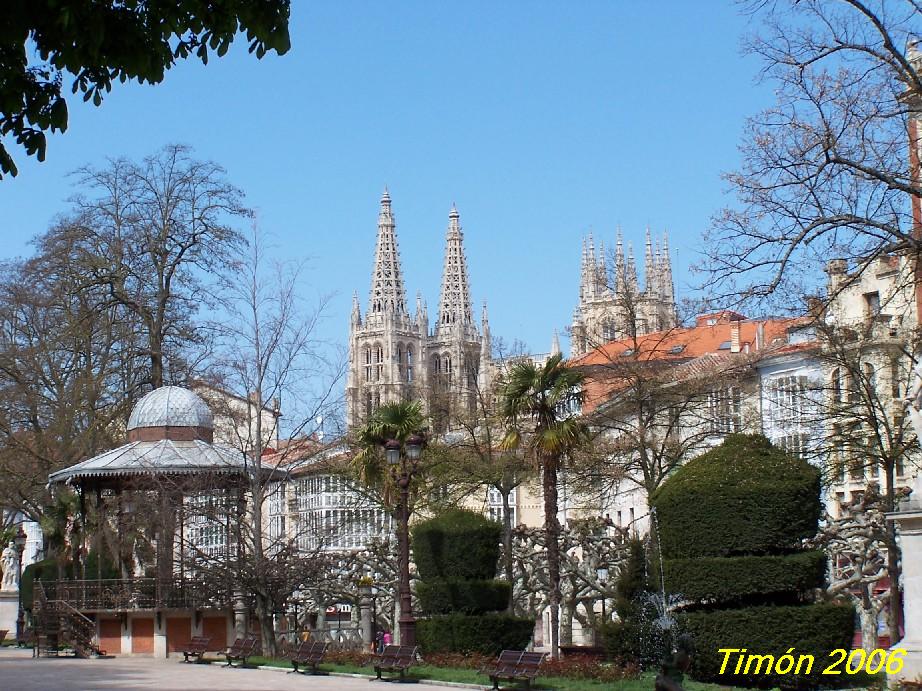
[(395, 356)]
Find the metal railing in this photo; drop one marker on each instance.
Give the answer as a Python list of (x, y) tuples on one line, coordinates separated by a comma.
[(134, 594)]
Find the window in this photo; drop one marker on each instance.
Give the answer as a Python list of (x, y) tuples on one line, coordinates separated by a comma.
[(379, 363), (895, 377), (872, 304), (367, 364), (837, 385), (409, 363), (724, 407), (495, 505)]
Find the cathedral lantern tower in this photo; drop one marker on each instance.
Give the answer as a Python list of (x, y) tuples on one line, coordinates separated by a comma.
[(615, 308)]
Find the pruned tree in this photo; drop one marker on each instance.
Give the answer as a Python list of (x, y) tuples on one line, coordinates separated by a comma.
[(97, 43), (858, 545)]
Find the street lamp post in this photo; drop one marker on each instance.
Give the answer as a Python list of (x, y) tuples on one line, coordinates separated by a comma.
[(20, 542), (403, 462)]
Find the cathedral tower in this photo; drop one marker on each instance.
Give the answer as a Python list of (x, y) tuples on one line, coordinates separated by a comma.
[(387, 347), (454, 349), (393, 356)]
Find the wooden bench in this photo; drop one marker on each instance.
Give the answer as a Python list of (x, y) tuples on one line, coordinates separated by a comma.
[(395, 658), (906, 685), (196, 648), (308, 654), (3, 633), (514, 665), (242, 649)]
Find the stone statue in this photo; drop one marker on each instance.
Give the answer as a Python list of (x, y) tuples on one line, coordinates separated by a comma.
[(9, 562), (675, 665)]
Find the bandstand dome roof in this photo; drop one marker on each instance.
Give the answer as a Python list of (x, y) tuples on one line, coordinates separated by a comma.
[(171, 406), (169, 434)]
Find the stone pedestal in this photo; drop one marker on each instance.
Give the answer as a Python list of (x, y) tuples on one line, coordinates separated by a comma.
[(365, 615), (9, 610), (909, 525)]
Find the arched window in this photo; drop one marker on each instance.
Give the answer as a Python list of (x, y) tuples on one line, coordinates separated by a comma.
[(446, 367), (409, 363), (870, 376), (367, 364), (379, 362)]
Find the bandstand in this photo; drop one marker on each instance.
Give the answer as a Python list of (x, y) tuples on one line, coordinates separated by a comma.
[(144, 504)]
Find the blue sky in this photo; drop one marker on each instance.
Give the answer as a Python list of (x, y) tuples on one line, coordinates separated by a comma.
[(541, 120)]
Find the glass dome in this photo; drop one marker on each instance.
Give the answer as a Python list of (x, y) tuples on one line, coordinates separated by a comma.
[(171, 406)]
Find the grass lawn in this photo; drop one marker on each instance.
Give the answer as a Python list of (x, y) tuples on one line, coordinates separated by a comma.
[(472, 676)]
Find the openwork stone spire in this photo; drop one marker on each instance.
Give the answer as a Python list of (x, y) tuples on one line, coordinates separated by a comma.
[(455, 297), (387, 291)]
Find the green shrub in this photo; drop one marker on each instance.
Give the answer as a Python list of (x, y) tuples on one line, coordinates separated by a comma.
[(487, 634), (742, 497), (438, 596), (736, 579), (458, 545), (47, 569), (810, 629)]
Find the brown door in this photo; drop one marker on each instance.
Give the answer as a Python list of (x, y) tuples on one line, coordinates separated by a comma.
[(178, 633), (110, 636), (215, 628), (142, 636)]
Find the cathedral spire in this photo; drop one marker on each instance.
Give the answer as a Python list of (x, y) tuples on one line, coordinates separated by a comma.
[(601, 269), (631, 271), (620, 275), (455, 297), (356, 310), (555, 344), (484, 379), (667, 288), (387, 294), (584, 273), (649, 269)]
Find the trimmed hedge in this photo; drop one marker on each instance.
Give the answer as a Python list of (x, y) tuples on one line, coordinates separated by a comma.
[(810, 629), (742, 497), (487, 634), (439, 596), (733, 579), (457, 545)]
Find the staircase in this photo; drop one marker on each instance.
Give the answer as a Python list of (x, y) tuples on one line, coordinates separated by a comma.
[(58, 627)]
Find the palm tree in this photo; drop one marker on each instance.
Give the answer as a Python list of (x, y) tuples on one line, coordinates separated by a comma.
[(539, 398), (397, 421), (393, 422)]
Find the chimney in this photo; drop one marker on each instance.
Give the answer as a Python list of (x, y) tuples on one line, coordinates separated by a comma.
[(735, 336), (837, 270)]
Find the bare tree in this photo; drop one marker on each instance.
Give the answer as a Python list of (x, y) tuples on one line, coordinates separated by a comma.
[(269, 352), (155, 235), (825, 172)]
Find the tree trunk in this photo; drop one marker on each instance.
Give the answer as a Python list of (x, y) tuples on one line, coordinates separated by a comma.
[(868, 617), (893, 560), (552, 531), (566, 623), (508, 565)]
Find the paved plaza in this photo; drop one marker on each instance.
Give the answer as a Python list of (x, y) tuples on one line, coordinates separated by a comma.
[(20, 672)]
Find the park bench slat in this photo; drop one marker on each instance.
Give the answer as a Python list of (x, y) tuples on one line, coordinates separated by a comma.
[(196, 648), (515, 665), (242, 649), (395, 658), (308, 653)]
